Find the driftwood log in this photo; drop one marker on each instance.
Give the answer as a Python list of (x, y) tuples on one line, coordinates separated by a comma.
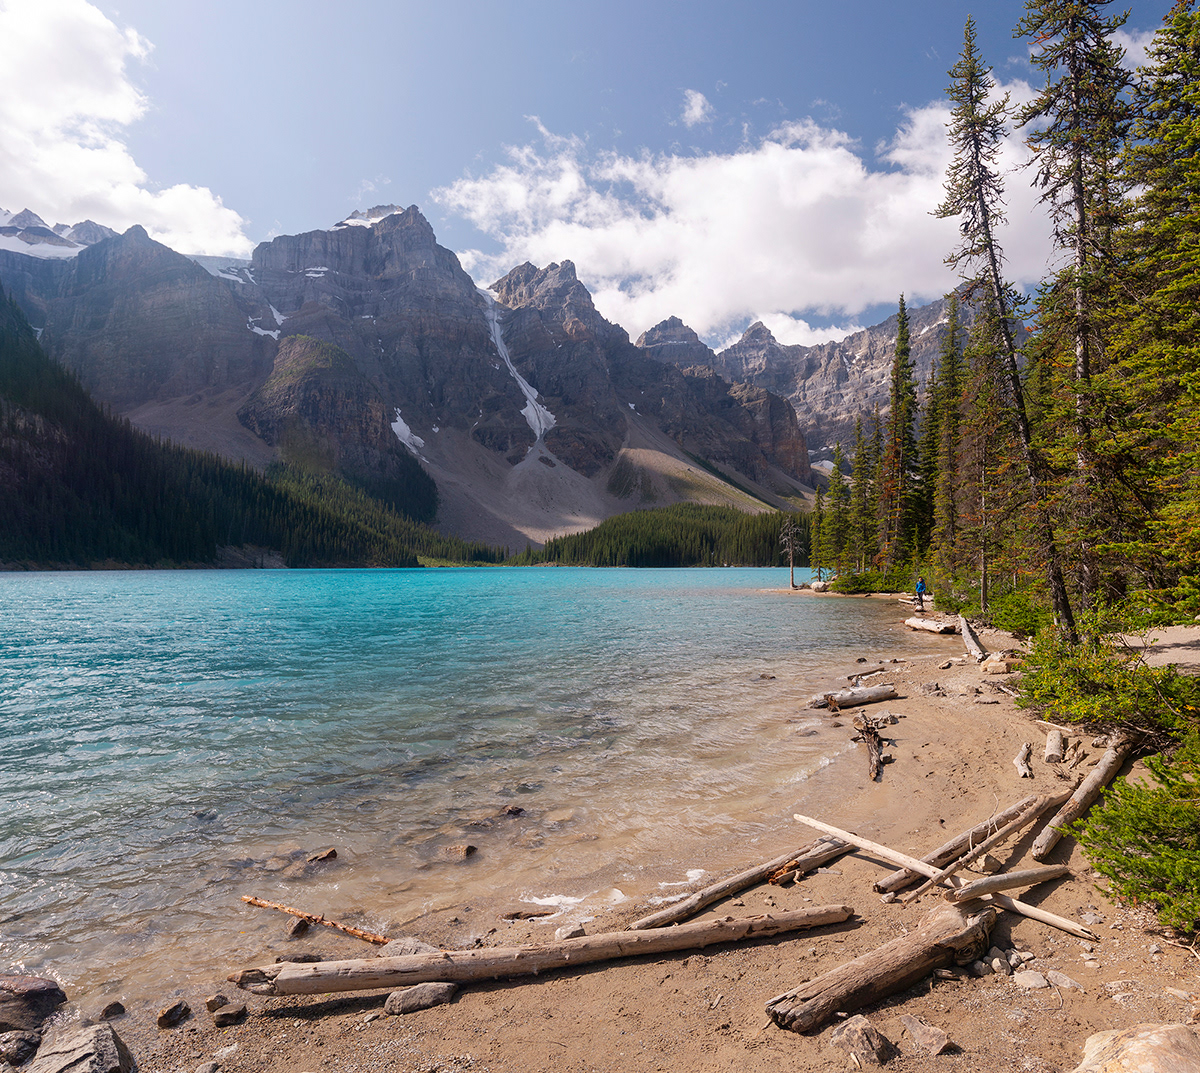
[(1029, 816), (1056, 745), (956, 847), (851, 698), (813, 855), (931, 625), (905, 861), (487, 963), (314, 918), (1029, 877), (868, 734), (1081, 800), (974, 648), (948, 934), (1021, 761)]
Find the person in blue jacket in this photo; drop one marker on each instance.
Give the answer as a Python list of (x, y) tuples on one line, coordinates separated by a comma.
[(921, 594)]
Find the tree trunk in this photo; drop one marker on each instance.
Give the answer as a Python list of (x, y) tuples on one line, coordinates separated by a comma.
[(489, 963), (850, 698), (1030, 877), (948, 934)]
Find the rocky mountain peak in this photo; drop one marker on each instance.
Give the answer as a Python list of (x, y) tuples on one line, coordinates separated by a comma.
[(758, 335), (671, 331), (27, 218)]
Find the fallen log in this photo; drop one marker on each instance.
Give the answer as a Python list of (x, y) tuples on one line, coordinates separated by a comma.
[(868, 733), (811, 856), (974, 648), (314, 918), (1029, 877), (947, 934), (1056, 745), (487, 963), (1021, 761), (905, 861), (953, 849), (931, 625), (1081, 800), (851, 698), (1029, 816)]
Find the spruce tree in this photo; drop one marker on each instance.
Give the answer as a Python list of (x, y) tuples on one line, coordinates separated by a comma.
[(948, 395), (899, 452), (974, 194)]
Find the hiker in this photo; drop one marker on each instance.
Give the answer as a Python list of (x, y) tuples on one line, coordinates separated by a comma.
[(921, 594)]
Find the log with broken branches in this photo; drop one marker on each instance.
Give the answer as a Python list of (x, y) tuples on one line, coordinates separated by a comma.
[(1021, 761), (1029, 816), (905, 861), (851, 698), (931, 625), (958, 845), (868, 734), (315, 918), (813, 855), (946, 935), (974, 648), (1029, 877), (1081, 800), (488, 963)]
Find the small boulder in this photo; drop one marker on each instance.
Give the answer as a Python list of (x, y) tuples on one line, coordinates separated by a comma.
[(227, 1015), (215, 1002), (860, 1038), (1146, 1048), (116, 1008), (1061, 979), (95, 1049), (26, 1002), (570, 931), (209, 1067), (18, 1047), (419, 997), (297, 928), (176, 1013), (323, 855), (457, 852), (1029, 979), (929, 1039)]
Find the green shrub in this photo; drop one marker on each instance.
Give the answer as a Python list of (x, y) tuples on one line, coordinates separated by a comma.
[(898, 579), (1146, 838), (1018, 613)]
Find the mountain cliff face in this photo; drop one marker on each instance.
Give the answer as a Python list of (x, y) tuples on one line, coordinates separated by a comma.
[(832, 384), (366, 345)]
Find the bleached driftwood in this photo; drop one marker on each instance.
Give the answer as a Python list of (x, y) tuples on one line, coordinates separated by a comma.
[(868, 733), (931, 625), (487, 963), (905, 861), (314, 918), (1029, 877), (974, 648), (1029, 816), (1081, 800), (958, 845), (946, 935), (851, 698), (1021, 761), (1056, 744), (811, 856)]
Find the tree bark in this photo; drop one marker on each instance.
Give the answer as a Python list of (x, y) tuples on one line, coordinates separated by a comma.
[(974, 648), (811, 856), (1055, 745), (946, 935), (1081, 800), (369, 974), (850, 698)]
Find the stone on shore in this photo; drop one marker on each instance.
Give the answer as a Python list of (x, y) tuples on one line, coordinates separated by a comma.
[(95, 1049), (18, 1047), (227, 1015), (861, 1039), (26, 1002), (419, 997), (1145, 1048), (176, 1013)]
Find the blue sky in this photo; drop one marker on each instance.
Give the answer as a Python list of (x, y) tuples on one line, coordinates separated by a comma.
[(722, 162)]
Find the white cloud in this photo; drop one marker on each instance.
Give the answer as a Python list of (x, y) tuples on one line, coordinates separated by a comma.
[(65, 97), (800, 222), (696, 108), (1135, 43)]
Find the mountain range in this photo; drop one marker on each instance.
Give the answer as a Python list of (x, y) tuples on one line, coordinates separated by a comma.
[(365, 349)]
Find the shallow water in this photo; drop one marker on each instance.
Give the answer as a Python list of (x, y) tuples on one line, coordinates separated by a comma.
[(172, 740)]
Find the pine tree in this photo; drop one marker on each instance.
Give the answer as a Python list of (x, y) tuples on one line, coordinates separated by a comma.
[(948, 395), (836, 527), (899, 452), (974, 194)]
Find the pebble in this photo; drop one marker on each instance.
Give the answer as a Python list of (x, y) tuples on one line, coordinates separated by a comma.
[(170, 1016), (1174, 992), (229, 1015), (215, 1002), (981, 968), (1062, 980), (1030, 979), (1001, 967), (208, 1067), (113, 1009), (1155, 948), (570, 931)]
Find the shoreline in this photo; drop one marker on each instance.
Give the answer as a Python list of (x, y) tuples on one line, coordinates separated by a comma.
[(705, 1010)]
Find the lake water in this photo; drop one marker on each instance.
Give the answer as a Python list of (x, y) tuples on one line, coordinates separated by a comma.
[(170, 741)]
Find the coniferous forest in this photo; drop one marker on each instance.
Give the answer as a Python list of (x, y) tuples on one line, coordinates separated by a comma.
[(80, 488), (1047, 477)]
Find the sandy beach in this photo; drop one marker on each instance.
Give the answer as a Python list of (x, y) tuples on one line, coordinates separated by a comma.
[(952, 768)]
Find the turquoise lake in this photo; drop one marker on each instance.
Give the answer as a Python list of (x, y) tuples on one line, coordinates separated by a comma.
[(175, 740)]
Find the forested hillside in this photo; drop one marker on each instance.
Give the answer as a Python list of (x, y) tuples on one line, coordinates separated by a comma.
[(1056, 480), (79, 488)]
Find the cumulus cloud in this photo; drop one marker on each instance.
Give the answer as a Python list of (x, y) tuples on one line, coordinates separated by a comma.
[(696, 108), (1135, 43), (65, 99), (799, 224)]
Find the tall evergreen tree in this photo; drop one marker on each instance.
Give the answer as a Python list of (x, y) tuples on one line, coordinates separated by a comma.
[(836, 528), (974, 194), (899, 452), (948, 394)]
